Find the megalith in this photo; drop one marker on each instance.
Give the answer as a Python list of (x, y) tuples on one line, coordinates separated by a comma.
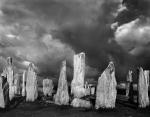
[(47, 87), (62, 96), (23, 92), (143, 84), (4, 92), (8, 73), (31, 84), (77, 84), (17, 84), (129, 81), (106, 89)]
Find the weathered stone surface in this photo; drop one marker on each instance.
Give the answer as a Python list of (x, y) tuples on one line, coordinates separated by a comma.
[(31, 84), (62, 96), (106, 88), (129, 80), (8, 73), (23, 84), (143, 84), (48, 87), (77, 84), (17, 84), (76, 102), (4, 92)]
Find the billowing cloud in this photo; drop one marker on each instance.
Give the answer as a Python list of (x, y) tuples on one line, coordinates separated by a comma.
[(134, 36), (132, 28), (46, 32)]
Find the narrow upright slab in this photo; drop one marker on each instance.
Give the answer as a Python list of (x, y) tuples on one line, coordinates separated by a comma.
[(4, 92), (8, 71), (143, 84), (23, 92), (77, 84), (31, 84), (106, 88), (17, 84), (62, 96), (48, 87), (129, 81)]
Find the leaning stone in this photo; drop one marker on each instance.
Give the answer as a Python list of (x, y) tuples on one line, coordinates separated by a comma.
[(62, 96), (4, 92), (48, 87), (77, 84), (31, 84), (106, 88), (76, 102), (143, 84)]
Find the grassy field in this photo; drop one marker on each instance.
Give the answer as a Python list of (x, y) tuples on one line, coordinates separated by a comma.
[(39, 109)]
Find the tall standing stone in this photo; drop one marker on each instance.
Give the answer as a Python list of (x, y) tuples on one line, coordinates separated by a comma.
[(77, 84), (17, 84), (62, 96), (4, 92), (143, 83), (48, 87), (31, 84), (129, 81), (23, 84), (8, 71), (106, 88)]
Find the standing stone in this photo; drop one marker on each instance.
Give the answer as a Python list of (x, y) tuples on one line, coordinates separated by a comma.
[(4, 92), (23, 84), (8, 73), (77, 84), (48, 87), (17, 84), (106, 88), (129, 81), (143, 84), (31, 84), (62, 96)]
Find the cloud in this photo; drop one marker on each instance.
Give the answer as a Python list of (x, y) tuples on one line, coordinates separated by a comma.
[(132, 31), (133, 36), (131, 10), (46, 32), (24, 45)]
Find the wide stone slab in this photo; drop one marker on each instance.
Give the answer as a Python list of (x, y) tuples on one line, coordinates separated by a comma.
[(106, 88)]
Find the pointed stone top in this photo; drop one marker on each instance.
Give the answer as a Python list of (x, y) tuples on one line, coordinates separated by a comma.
[(111, 66), (64, 63), (9, 61), (140, 69), (31, 66), (129, 76), (81, 54)]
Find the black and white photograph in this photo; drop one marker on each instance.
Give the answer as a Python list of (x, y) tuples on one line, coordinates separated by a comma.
[(74, 58)]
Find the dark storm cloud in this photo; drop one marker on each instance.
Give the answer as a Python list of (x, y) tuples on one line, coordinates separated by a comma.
[(132, 33), (134, 9), (46, 32)]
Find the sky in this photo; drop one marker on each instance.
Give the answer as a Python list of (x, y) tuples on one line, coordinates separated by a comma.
[(46, 32)]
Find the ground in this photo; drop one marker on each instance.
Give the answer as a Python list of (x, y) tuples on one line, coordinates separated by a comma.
[(38, 109)]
